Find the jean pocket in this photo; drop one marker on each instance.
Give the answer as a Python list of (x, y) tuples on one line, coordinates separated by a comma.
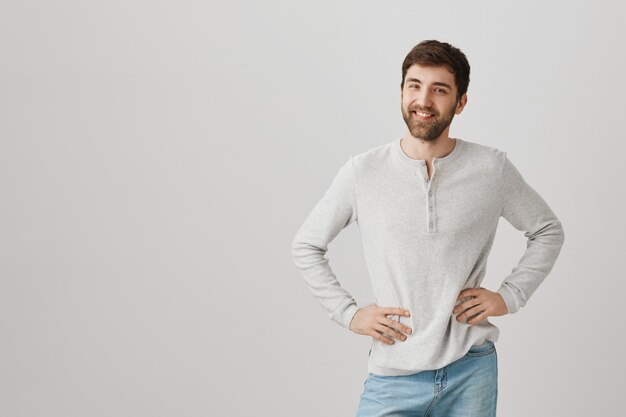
[(486, 348)]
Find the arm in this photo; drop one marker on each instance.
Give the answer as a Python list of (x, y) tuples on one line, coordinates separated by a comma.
[(335, 211), (524, 208)]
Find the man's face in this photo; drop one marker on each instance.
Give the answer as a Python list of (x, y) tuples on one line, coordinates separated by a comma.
[(430, 90)]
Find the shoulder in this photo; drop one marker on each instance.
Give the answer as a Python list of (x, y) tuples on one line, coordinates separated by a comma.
[(372, 160), (373, 156), (484, 156)]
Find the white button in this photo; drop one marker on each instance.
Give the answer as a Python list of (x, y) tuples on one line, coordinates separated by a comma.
[(430, 208), (430, 193), (425, 178), (422, 162)]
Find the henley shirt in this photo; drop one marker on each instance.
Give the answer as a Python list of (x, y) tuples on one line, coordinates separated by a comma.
[(424, 241)]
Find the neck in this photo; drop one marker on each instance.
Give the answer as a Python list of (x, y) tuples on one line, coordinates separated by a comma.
[(427, 150)]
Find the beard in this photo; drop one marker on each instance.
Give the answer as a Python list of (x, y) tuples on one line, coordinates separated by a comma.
[(428, 130)]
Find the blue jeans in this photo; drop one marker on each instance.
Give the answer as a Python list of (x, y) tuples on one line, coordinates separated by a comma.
[(467, 387)]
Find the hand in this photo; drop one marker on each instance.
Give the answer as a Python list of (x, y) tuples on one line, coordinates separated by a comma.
[(484, 303), (372, 321)]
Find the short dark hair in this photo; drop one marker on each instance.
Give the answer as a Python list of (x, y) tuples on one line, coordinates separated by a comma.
[(435, 53)]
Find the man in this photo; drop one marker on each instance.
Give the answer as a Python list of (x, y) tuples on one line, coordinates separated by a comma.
[(427, 207)]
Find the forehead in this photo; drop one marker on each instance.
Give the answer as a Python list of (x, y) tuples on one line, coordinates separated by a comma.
[(430, 74)]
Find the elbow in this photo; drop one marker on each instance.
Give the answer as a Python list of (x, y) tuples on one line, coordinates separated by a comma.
[(305, 253), (300, 249), (296, 256), (555, 234), (550, 233), (296, 246)]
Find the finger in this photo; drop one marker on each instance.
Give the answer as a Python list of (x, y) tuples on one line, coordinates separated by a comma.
[(379, 336), (388, 331), (478, 318), (392, 332), (397, 325), (464, 293), (394, 311), (466, 305), (470, 292), (470, 312)]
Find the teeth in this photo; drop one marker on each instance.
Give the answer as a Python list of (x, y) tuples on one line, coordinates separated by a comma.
[(423, 114)]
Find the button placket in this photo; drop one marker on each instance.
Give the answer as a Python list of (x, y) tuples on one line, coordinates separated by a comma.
[(430, 200), (428, 185)]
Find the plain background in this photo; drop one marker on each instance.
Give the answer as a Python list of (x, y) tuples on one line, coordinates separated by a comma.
[(157, 158)]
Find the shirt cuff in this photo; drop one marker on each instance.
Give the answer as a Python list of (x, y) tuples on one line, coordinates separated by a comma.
[(509, 299), (348, 315)]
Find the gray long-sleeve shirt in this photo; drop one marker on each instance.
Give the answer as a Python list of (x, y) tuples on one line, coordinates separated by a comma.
[(424, 240)]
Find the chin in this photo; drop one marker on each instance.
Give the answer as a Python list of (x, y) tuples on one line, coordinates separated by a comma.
[(418, 136)]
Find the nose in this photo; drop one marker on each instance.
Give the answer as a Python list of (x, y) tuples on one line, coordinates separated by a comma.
[(423, 99)]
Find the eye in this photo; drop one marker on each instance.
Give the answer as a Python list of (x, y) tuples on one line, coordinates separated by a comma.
[(440, 90)]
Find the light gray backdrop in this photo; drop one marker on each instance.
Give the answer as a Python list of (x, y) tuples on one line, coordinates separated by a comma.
[(157, 158)]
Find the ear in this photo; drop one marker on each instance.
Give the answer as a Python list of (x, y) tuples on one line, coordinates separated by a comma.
[(461, 104)]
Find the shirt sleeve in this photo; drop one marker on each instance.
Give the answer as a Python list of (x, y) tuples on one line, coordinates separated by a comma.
[(332, 213), (524, 208)]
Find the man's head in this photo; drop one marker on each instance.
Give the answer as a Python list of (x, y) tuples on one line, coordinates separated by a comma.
[(435, 77), (435, 53)]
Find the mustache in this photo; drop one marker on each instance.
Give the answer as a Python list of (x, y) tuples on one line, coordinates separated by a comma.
[(423, 110)]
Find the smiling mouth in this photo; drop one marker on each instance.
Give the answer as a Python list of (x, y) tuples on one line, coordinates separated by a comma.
[(422, 116)]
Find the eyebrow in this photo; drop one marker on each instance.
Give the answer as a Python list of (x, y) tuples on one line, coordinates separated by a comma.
[(435, 83)]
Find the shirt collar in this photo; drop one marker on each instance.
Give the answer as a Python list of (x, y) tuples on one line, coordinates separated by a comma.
[(414, 164)]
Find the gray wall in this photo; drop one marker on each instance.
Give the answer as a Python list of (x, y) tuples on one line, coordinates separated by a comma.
[(157, 158)]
